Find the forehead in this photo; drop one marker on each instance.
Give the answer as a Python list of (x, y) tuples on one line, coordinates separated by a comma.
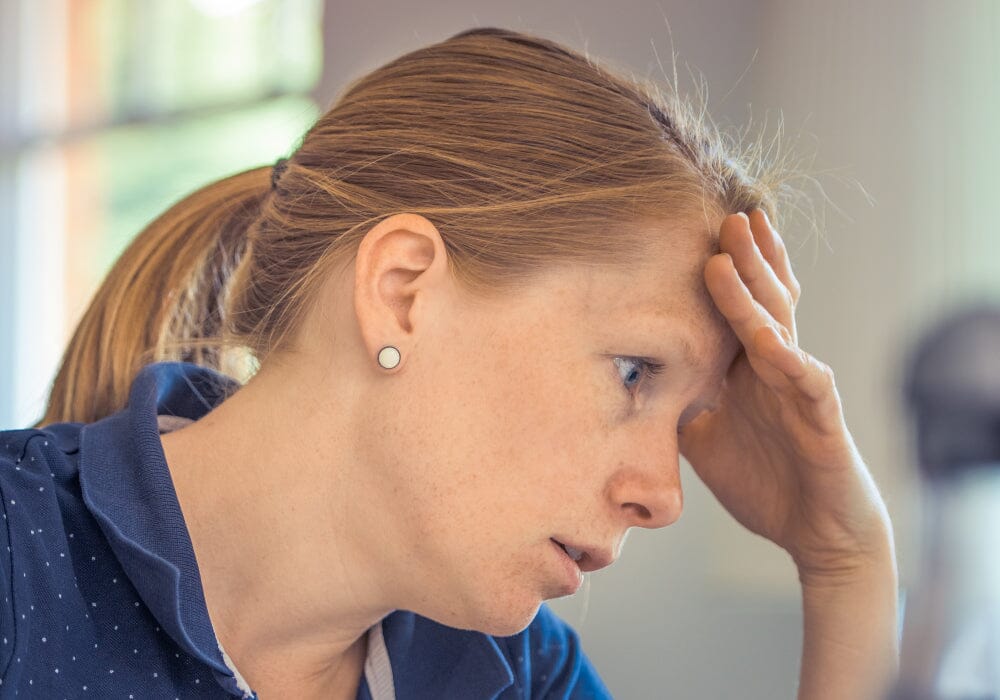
[(657, 305), (664, 292)]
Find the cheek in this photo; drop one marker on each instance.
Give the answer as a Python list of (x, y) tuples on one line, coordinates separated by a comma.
[(490, 462), (549, 443), (493, 454), (451, 451)]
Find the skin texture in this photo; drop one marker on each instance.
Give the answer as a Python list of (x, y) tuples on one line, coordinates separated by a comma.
[(329, 491)]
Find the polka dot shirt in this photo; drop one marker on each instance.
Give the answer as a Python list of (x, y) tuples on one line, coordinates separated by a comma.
[(102, 596)]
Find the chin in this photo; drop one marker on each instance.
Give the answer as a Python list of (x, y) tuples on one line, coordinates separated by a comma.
[(499, 614), (506, 615), (498, 598)]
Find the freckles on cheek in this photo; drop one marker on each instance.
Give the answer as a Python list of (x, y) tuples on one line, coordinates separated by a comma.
[(559, 449), (543, 417)]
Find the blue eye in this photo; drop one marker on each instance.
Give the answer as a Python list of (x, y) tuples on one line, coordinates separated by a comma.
[(636, 368)]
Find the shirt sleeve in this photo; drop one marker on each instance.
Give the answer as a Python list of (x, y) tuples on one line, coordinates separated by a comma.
[(548, 657), (6, 575)]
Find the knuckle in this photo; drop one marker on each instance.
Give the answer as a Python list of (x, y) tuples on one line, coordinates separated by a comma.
[(826, 371), (795, 290), (787, 296)]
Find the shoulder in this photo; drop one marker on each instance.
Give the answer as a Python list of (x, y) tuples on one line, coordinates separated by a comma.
[(38, 450), (548, 656), (61, 437), (33, 463)]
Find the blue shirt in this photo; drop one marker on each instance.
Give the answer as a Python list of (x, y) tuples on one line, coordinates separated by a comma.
[(102, 594)]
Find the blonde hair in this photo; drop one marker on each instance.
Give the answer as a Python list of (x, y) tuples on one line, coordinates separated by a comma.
[(524, 153)]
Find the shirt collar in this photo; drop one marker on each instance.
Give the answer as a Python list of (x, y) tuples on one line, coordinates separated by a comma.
[(432, 660), (126, 484)]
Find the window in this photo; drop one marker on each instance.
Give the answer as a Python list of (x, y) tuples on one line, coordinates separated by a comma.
[(111, 110)]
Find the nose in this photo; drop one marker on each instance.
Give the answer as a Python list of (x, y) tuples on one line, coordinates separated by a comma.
[(649, 495)]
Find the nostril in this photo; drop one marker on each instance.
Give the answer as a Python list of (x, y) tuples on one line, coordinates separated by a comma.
[(643, 510)]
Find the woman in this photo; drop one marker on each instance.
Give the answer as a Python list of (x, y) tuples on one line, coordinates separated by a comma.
[(492, 296)]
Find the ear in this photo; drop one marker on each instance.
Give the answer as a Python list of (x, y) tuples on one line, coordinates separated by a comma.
[(399, 262)]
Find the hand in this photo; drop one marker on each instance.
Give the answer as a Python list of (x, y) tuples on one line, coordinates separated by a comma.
[(777, 452)]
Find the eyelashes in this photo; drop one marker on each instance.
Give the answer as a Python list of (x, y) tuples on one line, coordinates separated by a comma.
[(647, 368)]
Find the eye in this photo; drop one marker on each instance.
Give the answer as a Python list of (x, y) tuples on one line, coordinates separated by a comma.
[(634, 368)]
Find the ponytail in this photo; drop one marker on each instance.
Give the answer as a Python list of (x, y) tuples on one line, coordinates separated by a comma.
[(164, 299)]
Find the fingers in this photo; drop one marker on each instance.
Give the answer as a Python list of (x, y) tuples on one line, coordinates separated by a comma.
[(773, 249), (752, 284), (745, 314), (757, 273), (805, 373), (809, 375)]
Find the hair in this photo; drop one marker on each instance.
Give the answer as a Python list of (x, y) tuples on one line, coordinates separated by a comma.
[(523, 152)]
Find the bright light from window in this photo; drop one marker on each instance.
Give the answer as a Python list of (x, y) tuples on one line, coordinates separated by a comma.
[(222, 8)]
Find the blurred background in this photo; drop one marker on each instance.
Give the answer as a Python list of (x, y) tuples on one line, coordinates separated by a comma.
[(110, 110)]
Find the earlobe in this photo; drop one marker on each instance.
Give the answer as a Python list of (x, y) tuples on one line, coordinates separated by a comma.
[(399, 256)]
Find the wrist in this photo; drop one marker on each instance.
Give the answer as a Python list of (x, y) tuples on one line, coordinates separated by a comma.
[(849, 573), (851, 621), (870, 556)]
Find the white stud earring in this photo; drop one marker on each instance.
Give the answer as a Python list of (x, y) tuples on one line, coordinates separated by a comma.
[(388, 357)]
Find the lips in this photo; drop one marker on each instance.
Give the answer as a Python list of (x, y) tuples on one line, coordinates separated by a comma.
[(574, 554), (587, 557)]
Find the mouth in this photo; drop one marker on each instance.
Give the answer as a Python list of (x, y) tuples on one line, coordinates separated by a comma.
[(574, 554), (587, 558)]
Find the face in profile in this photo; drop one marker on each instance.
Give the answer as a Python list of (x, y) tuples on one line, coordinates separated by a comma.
[(538, 419)]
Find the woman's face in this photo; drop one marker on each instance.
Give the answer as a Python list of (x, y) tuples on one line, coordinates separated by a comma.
[(530, 419)]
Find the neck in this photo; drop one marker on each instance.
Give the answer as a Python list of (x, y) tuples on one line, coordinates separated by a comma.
[(280, 523)]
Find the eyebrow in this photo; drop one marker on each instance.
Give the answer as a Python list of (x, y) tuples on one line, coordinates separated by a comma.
[(689, 353), (690, 356)]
